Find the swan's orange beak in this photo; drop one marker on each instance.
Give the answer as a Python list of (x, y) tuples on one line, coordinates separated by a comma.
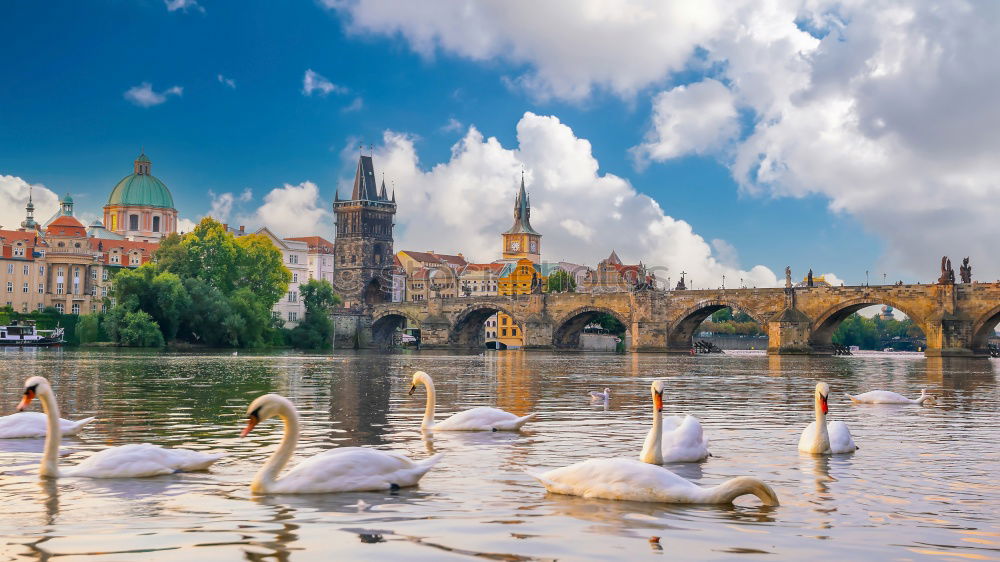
[(29, 395), (658, 401), (822, 403), (251, 423)]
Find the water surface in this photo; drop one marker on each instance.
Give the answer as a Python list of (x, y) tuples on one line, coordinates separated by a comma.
[(922, 486)]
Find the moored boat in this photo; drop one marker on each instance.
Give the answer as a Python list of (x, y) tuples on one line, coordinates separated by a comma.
[(26, 335)]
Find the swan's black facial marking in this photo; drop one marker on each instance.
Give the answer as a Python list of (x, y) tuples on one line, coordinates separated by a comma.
[(494, 429), (413, 388), (255, 414), (31, 391)]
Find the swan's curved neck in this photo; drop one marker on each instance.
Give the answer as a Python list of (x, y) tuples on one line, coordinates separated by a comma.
[(53, 433), (268, 474), (652, 450), (740, 486), (431, 401), (822, 433)]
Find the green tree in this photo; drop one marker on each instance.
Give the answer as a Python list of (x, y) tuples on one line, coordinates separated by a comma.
[(87, 328), (316, 329), (140, 330), (560, 281), (261, 268), (611, 323)]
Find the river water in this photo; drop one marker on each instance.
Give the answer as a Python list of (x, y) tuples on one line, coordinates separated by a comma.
[(923, 484)]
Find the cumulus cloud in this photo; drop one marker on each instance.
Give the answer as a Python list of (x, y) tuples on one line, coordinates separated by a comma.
[(183, 5), (223, 203), (185, 225), (316, 82), (228, 82), (14, 196), (695, 119), (452, 126), (582, 214), (294, 210), (143, 95), (355, 105), (886, 109)]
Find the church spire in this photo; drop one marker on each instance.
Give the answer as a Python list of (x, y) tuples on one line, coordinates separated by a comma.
[(29, 219), (522, 212), (383, 195)]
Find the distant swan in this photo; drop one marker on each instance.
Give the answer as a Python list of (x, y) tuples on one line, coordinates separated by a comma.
[(674, 439), (344, 469), (821, 438), (477, 419), (888, 397), (35, 424), (126, 461), (601, 396)]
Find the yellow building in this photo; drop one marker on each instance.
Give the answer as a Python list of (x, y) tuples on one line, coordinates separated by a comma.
[(522, 247)]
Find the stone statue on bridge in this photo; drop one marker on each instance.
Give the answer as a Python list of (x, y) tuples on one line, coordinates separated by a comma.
[(947, 273), (788, 277), (965, 270), (680, 284), (809, 278)]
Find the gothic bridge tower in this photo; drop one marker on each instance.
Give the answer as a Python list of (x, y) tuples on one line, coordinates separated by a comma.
[(362, 247)]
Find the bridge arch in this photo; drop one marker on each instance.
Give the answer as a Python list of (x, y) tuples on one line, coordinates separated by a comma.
[(467, 330), (385, 324), (823, 327), (983, 328), (680, 334), (568, 329)]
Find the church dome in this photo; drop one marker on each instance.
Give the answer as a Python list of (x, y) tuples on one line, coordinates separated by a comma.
[(141, 188)]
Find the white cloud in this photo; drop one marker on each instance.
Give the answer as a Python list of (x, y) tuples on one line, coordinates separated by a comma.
[(452, 126), (885, 108), (832, 279), (228, 82), (224, 203), (355, 105), (294, 210), (143, 95), (185, 225), (581, 213), (183, 5), (14, 197), (315, 82), (691, 119)]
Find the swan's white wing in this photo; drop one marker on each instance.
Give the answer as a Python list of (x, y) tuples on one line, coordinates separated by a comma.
[(620, 479), (881, 397), (479, 419), (352, 469), (35, 424), (841, 440), (139, 460), (685, 442), (809, 442)]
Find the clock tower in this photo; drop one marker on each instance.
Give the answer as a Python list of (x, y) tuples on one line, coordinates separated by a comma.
[(521, 241)]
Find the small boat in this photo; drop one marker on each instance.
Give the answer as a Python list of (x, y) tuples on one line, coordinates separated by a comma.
[(26, 335)]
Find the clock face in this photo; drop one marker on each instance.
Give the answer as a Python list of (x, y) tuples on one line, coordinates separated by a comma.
[(515, 245), (534, 246)]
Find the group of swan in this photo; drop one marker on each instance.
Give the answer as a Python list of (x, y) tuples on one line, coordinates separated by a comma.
[(674, 439)]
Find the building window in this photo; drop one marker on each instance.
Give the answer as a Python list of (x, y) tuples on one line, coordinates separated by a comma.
[(26, 269), (18, 251), (133, 222), (41, 307), (104, 308), (10, 287), (41, 288), (503, 332), (275, 314), (59, 288), (41, 270), (10, 268), (104, 291), (104, 275), (293, 258), (93, 274), (60, 307), (293, 296), (156, 224), (93, 290), (76, 308), (295, 278), (25, 288), (293, 316)]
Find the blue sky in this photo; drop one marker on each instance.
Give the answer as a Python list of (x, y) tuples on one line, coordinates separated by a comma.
[(65, 123)]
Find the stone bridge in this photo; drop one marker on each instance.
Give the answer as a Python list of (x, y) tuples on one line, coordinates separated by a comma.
[(956, 319)]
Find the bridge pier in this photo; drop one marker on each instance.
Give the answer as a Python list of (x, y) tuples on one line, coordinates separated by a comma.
[(650, 337), (789, 333)]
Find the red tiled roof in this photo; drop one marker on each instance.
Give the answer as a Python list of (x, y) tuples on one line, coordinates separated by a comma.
[(493, 267), (124, 247), (431, 257), (66, 225), (315, 242)]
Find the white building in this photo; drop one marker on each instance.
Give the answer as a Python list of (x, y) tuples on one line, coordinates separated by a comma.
[(295, 255), (320, 257)]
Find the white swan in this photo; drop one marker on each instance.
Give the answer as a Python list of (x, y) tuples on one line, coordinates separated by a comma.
[(601, 396), (674, 439), (126, 461), (345, 469), (889, 397), (821, 438), (35, 424), (477, 419), (633, 480)]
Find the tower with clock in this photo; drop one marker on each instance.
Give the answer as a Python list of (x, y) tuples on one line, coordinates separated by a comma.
[(520, 240)]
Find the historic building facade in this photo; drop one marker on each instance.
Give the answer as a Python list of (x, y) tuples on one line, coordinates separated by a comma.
[(140, 207), (362, 248)]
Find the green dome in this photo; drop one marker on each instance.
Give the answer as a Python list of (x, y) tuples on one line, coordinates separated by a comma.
[(141, 189)]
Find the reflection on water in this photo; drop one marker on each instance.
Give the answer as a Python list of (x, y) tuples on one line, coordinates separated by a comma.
[(923, 482)]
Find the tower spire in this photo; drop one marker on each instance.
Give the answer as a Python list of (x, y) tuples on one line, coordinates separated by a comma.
[(29, 219)]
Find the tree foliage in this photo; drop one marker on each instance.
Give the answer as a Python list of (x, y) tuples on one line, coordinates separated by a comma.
[(611, 323), (316, 329), (560, 281), (87, 328), (876, 332)]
